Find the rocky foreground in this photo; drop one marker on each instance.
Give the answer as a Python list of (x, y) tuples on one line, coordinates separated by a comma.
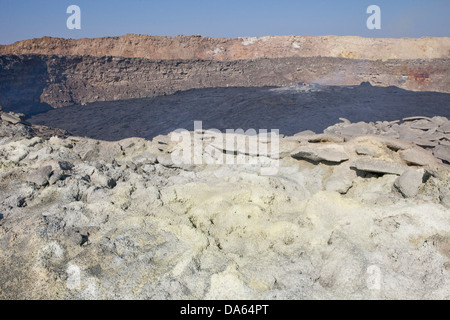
[(352, 213)]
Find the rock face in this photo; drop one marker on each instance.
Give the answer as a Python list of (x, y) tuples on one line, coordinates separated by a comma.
[(90, 219), (37, 83), (197, 47)]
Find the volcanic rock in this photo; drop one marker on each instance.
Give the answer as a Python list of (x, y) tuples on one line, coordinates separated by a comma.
[(409, 182), (417, 156), (40, 176), (330, 154), (442, 152), (378, 166)]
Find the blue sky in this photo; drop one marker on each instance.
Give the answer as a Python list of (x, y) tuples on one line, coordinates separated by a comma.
[(20, 19)]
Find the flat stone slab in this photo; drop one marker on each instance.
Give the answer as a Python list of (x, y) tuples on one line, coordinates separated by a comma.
[(378, 166), (321, 137), (409, 134), (356, 129), (12, 118), (423, 125), (417, 156), (442, 152), (445, 143), (445, 127), (425, 143), (320, 154), (367, 151), (417, 118), (393, 143)]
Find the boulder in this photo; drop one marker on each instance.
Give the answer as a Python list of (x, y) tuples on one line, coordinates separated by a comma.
[(442, 152), (445, 127), (111, 183), (65, 165), (40, 176), (409, 182), (341, 179), (444, 197), (165, 160)]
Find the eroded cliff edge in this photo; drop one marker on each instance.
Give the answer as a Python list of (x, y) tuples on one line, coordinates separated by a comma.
[(226, 49), (35, 83)]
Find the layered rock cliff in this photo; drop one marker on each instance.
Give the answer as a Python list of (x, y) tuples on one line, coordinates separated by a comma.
[(197, 47), (44, 73), (33, 83)]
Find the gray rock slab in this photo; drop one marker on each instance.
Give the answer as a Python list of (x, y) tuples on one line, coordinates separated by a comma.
[(366, 151), (423, 125), (425, 143), (162, 139), (444, 142), (408, 134), (40, 176), (439, 120), (378, 166), (417, 156), (144, 158), (10, 118), (356, 129), (320, 154), (318, 138), (305, 133), (409, 182), (445, 127), (393, 143), (341, 179), (65, 165), (417, 118), (442, 152)]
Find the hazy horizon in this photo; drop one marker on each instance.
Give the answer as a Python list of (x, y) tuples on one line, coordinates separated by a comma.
[(22, 20)]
